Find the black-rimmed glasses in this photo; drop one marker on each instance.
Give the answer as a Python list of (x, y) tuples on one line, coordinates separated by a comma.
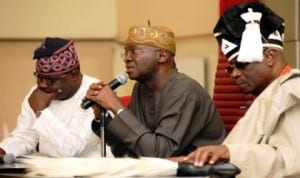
[(133, 52)]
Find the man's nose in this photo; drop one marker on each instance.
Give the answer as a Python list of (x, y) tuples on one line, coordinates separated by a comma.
[(235, 73), (127, 57)]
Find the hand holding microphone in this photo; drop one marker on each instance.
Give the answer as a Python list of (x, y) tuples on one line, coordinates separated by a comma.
[(121, 79)]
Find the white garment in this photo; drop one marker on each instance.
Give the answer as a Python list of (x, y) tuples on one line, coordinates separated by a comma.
[(99, 167), (265, 143), (62, 130)]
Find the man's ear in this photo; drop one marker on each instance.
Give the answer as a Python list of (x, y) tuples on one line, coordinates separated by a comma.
[(270, 56), (163, 56), (75, 73)]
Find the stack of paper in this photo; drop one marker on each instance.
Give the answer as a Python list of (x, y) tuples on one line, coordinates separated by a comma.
[(99, 167)]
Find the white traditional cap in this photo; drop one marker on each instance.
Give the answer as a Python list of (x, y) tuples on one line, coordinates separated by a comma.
[(244, 29)]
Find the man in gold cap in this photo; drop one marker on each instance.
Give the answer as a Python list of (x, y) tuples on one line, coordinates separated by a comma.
[(265, 142), (170, 114), (51, 118)]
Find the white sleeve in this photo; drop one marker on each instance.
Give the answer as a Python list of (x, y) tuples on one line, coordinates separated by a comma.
[(67, 140), (23, 139)]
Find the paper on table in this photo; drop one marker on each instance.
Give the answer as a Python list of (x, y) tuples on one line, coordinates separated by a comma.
[(99, 167)]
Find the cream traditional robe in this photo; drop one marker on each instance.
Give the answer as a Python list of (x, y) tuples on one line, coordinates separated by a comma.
[(266, 141)]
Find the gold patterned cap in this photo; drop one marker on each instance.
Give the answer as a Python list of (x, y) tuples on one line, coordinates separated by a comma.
[(156, 36)]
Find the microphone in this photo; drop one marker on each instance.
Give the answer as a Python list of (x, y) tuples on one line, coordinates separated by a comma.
[(121, 79), (221, 169), (8, 158)]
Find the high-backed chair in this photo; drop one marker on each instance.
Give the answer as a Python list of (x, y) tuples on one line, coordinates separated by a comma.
[(125, 99)]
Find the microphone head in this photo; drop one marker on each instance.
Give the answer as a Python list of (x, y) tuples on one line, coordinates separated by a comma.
[(122, 78), (9, 158)]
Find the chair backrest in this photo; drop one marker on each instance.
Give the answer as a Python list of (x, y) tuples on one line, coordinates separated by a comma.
[(125, 99)]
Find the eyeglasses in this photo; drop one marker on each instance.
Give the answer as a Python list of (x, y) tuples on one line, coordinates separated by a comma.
[(243, 65), (237, 65), (49, 81), (133, 52)]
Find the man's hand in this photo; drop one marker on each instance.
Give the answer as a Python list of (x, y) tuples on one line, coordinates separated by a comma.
[(2, 152), (176, 158), (104, 96), (40, 100), (208, 154), (97, 111)]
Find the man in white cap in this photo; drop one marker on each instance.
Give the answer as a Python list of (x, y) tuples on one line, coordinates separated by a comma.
[(266, 141)]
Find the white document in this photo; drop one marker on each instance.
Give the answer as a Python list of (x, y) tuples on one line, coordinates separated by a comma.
[(99, 167)]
